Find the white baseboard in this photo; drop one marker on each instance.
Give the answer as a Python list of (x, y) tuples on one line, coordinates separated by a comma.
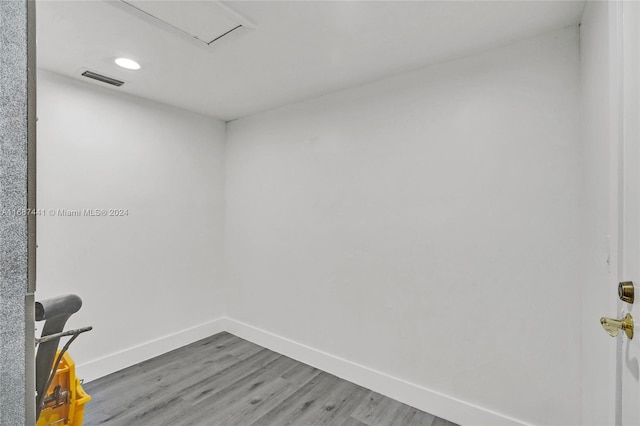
[(417, 396), (118, 360)]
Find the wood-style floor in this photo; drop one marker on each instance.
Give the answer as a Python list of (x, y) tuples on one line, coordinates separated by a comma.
[(227, 381)]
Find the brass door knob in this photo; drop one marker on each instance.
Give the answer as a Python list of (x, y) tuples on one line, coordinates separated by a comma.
[(613, 326)]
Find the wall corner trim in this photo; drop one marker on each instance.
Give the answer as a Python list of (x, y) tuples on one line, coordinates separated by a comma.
[(122, 359)]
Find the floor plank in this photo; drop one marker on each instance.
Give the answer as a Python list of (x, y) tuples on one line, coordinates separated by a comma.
[(442, 422), (378, 410), (227, 381), (350, 421), (292, 409), (264, 398)]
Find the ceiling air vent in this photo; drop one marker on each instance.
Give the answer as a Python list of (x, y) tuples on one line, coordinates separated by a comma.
[(206, 22), (103, 78)]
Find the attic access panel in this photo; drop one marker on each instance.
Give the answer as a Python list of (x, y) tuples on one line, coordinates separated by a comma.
[(206, 21)]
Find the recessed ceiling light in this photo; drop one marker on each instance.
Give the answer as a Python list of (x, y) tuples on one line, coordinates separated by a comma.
[(127, 63)]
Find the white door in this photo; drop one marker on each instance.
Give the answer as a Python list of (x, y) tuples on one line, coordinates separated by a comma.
[(629, 259), (625, 213)]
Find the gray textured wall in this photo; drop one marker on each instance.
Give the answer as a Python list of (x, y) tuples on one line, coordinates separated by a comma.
[(16, 128)]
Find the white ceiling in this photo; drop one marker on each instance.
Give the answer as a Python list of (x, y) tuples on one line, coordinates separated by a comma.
[(298, 50)]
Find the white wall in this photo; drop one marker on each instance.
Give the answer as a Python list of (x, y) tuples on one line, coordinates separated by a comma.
[(425, 226), (598, 349), (150, 281)]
